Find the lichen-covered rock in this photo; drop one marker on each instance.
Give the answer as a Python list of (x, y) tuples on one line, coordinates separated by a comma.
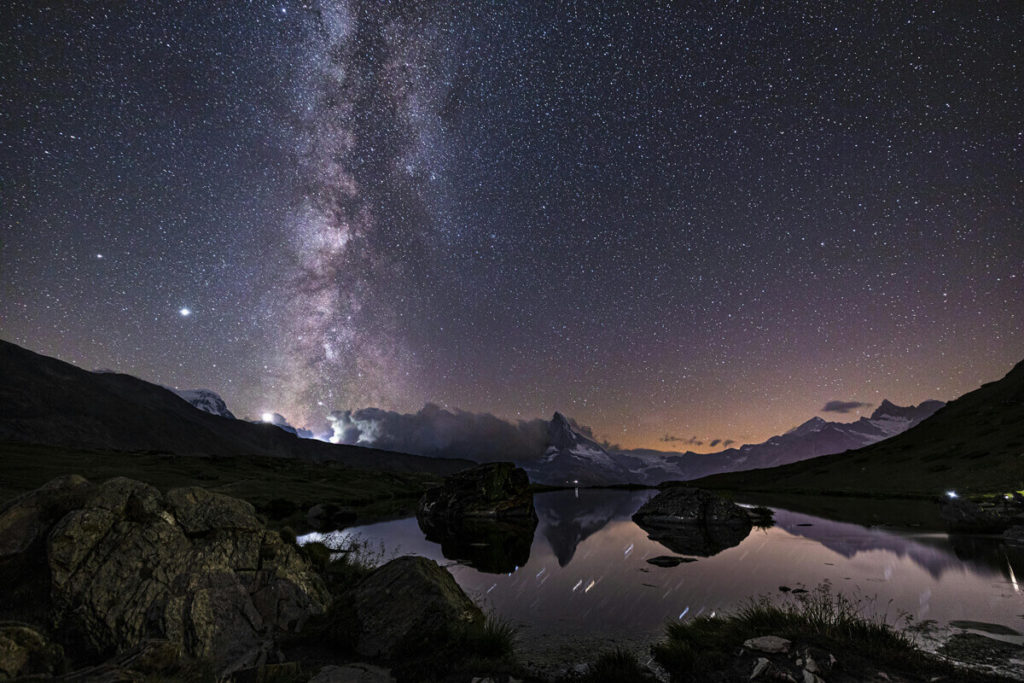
[(693, 521), (409, 606), (495, 490), (199, 511), (26, 652), (127, 565), (24, 519)]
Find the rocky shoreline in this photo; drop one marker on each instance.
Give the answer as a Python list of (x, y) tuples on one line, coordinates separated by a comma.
[(118, 581)]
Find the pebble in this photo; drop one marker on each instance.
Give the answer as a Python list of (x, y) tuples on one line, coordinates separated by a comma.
[(769, 644)]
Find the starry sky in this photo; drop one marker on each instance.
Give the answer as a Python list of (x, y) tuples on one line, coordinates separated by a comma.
[(675, 222)]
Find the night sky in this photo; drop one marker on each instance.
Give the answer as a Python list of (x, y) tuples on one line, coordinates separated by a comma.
[(692, 219)]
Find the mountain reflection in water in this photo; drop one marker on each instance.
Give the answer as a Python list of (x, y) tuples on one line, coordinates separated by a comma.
[(587, 571)]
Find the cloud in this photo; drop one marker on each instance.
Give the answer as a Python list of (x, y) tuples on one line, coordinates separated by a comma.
[(434, 431), (691, 441), (278, 420), (843, 406)]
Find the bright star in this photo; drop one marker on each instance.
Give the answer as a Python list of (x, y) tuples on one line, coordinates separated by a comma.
[(185, 312)]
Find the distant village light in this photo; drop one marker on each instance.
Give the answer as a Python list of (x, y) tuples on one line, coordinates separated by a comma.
[(951, 494)]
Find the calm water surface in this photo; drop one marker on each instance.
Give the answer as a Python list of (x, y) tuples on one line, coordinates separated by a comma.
[(587, 573)]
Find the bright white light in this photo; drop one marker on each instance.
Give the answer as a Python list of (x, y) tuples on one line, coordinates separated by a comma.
[(185, 312), (268, 417), (951, 494)]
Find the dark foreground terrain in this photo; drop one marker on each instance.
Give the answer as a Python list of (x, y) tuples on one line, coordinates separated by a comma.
[(283, 491), (123, 580)]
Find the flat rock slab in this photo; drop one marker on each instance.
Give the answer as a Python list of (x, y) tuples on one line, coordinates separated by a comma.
[(669, 560), (768, 644), (995, 629), (356, 672)]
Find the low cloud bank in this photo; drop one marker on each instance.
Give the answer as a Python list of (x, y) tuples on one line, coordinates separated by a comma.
[(434, 431), (843, 406)]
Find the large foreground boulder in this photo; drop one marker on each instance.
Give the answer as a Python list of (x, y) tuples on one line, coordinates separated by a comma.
[(693, 521), (127, 565), (26, 652), (408, 607)]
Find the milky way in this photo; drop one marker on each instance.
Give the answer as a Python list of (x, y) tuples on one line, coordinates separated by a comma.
[(360, 221), (675, 222)]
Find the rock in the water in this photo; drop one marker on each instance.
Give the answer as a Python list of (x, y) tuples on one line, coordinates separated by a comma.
[(487, 545), (966, 516), (768, 644), (496, 490), (693, 521), (483, 516), (126, 564), (1014, 535), (668, 560), (408, 607), (328, 517)]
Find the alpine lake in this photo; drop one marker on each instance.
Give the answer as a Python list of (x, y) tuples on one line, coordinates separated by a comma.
[(580, 583)]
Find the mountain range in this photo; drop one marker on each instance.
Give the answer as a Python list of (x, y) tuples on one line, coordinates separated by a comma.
[(574, 458), (974, 443)]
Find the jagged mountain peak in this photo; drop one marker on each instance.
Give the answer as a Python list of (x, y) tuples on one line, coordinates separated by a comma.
[(886, 407), (563, 434), (887, 410), (815, 424)]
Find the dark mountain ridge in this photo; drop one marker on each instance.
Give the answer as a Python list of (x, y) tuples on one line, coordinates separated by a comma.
[(50, 402)]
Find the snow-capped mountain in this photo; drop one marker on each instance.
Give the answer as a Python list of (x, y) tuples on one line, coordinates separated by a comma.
[(205, 400), (573, 457)]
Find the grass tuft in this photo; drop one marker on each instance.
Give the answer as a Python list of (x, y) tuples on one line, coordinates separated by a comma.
[(617, 666), (494, 638), (820, 617)]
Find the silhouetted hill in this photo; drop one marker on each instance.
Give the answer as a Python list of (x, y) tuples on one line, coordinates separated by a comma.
[(47, 401), (974, 444)]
